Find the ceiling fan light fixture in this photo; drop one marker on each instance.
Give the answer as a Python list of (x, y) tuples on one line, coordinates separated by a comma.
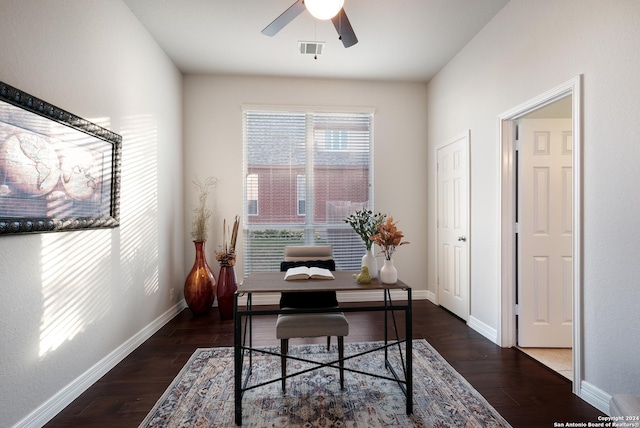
[(323, 9)]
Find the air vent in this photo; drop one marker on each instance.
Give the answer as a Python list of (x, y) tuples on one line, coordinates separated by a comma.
[(311, 48)]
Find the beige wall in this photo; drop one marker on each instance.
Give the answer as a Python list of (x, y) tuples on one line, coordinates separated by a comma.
[(72, 304), (530, 47), (213, 146)]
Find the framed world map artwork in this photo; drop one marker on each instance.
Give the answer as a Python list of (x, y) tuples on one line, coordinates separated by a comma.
[(58, 172)]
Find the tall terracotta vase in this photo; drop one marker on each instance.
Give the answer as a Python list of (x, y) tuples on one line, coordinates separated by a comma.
[(227, 287), (200, 285)]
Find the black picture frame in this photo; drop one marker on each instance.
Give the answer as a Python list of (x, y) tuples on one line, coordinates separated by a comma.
[(58, 172)]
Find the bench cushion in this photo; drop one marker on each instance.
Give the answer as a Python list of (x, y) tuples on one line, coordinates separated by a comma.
[(311, 325)]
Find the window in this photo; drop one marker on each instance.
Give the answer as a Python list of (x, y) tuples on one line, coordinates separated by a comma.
[(252, 194), (301, 182), (335, 139), (306, 172)]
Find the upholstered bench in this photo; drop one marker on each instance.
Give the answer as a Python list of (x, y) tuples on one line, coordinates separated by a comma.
[(316, 324), (311, 325)]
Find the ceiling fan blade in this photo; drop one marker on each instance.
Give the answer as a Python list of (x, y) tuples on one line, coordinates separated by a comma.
[(344, 29), (287, 16)]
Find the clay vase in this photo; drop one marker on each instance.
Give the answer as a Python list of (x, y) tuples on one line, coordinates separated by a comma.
[(227, 287), (388, 273), (200, 285)]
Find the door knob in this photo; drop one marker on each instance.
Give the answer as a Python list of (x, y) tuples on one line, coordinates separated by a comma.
[(462, 238)]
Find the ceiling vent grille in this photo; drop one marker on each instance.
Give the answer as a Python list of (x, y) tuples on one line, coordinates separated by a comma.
[(311, 48)]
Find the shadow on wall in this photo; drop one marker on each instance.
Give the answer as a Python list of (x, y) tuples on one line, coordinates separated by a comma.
[(85, 272)]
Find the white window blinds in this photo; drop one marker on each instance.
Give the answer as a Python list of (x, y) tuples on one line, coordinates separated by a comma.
[(304, 173)]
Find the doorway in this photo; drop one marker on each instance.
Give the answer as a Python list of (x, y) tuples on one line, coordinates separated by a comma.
[(567, 96), (544, 314)]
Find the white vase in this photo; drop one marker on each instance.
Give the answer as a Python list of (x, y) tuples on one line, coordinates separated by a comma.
[(369, 260), (388, 273)]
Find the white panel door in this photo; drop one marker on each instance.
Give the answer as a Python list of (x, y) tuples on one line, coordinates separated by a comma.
[(545, 212), (453, 226)]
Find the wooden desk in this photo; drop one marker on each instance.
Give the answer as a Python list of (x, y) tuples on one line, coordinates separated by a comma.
[(273, 282)]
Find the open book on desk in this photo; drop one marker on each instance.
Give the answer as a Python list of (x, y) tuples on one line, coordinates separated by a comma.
[(303, 272)]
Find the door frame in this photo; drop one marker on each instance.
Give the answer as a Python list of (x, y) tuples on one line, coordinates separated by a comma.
[(507, 200), (466, 136)]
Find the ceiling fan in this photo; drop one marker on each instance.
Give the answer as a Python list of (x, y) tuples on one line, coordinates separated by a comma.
[(317, 9)]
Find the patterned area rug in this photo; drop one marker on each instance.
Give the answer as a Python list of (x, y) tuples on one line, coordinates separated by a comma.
[(202, 393)]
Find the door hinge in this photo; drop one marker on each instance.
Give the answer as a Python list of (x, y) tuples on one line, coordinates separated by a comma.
[(516, 227), (516, 145), (517, 309)]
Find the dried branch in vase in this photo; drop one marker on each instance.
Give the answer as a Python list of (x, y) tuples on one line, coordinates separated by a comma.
[(200, 224), (388, 237), (226, 256)]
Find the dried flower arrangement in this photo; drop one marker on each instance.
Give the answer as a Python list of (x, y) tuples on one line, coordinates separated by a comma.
[(200, 224), (226, 256), (365, 223), (388, 237)]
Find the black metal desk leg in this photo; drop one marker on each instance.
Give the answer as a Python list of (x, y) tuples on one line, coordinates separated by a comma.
[(409, 333), (249, 320), (386, 322), (237, 354)]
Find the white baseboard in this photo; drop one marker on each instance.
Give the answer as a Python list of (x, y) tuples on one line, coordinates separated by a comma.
[(431, 296), (587, 392), (54, 405), (484, 329), (50, 408), (595, 396)]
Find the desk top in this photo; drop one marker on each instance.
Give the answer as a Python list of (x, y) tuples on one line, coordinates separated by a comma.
[(271, 282)]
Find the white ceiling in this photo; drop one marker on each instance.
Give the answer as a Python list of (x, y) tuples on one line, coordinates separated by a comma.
[(399, 40)]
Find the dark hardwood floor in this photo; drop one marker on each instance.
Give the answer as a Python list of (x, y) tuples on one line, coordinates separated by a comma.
[(526, 393)]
